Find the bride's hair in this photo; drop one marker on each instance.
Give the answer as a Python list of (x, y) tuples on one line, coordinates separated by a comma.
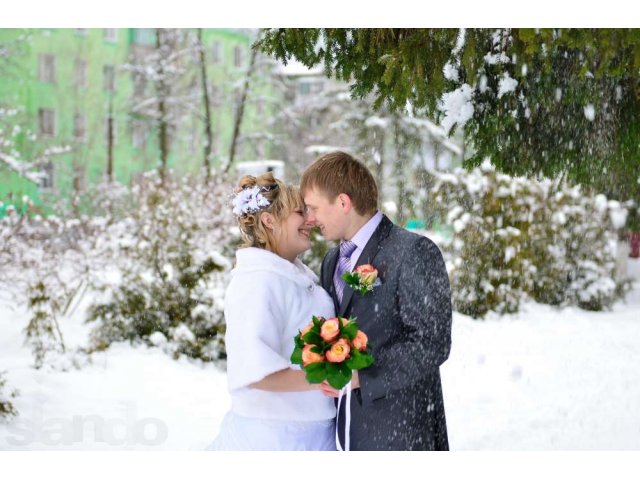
[(283, 200)]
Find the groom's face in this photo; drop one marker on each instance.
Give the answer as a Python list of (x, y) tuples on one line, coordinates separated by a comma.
[(326, 214)]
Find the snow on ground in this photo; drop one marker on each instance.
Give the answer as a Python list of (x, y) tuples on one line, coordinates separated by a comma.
[(128, 398), (543, 379)]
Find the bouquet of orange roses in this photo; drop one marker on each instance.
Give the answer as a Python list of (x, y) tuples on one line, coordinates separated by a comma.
[(330, 350)]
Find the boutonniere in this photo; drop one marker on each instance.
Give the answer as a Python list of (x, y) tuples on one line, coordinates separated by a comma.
[(362, 279)]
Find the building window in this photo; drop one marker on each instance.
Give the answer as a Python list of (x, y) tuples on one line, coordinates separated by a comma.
[(80, 73), (139, 134), (47, 122), (237, 99), (111, 34), (47, 68), (139, 84), (109, 78), (46, 181), (79, 127), (237, 57), (79, 179), (144, 36), (216, 96), (192, 140), (216, 53), (82, 31), (304, 88)]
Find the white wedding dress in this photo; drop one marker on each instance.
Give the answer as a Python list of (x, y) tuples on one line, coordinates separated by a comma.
[(267, 302)]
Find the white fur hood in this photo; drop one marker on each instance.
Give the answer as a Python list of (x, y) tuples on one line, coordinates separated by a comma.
[(252, 259)]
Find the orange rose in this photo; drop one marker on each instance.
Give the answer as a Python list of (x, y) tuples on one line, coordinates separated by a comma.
[(368, 274), (306, 329), (310, 357), (330, 329), (360, 342), (339, 351)]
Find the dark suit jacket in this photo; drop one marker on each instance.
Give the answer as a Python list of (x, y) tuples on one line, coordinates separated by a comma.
[(399, 405)]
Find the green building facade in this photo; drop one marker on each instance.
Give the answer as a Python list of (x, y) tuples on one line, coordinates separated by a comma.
[(75, 89)]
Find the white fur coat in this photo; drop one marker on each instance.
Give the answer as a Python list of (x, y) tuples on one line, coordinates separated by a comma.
[(267, 302)]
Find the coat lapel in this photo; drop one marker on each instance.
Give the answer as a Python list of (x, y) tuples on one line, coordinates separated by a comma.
[(370, 251)]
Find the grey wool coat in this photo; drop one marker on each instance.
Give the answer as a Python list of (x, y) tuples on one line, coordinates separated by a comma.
[(399, 405)]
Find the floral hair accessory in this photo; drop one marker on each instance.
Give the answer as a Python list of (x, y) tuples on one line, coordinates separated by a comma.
[(251, 200)]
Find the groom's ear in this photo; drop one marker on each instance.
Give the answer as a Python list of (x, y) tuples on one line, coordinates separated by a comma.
[(344, 201)]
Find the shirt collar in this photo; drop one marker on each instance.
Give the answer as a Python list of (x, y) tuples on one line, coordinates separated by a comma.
[(362, 236)]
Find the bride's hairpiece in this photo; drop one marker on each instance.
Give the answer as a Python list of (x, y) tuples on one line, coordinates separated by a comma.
[(251, 200)]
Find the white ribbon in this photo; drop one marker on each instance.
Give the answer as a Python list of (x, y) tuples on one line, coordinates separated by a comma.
[(344, 391)]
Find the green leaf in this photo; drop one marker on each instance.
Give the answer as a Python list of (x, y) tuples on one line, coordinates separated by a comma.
[(351, 279), (296, 356), (298, 341), (338, 375), (316, 372), (359, 360), (350, 330), (313, 338), (346, 371)]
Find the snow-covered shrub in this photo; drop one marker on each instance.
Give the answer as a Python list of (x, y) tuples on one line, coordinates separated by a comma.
[(515, 238), (7, 408), (490, 217), (170, 269), (43, 332), (159, 248), (50, 261), (30, 259), (575, 250)]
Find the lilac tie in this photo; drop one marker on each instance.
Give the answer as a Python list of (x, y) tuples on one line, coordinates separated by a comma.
[(344, 265)]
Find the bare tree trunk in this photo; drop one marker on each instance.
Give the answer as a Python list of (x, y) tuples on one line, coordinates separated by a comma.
[(162, 95), (380, 165), (110, 140), (207, 110), (240, 109), (399, 173)]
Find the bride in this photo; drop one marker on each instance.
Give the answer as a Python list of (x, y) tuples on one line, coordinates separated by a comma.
[(271, 296)]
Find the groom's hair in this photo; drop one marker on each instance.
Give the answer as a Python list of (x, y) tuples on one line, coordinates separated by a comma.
[(338, 172)]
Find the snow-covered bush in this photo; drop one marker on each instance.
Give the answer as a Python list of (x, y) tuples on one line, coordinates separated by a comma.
[(7, 409), (31, 261), (43, 332), (575, 250), (515, 238), (150, 256), (49, 262), (170, 269)]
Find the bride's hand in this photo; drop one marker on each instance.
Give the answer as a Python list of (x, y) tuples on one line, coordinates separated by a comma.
[(328, 390)]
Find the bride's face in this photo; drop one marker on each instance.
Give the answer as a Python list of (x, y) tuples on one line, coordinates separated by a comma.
[(292, 237)]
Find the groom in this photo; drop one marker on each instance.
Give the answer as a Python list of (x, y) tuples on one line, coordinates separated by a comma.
[(396, 403)]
